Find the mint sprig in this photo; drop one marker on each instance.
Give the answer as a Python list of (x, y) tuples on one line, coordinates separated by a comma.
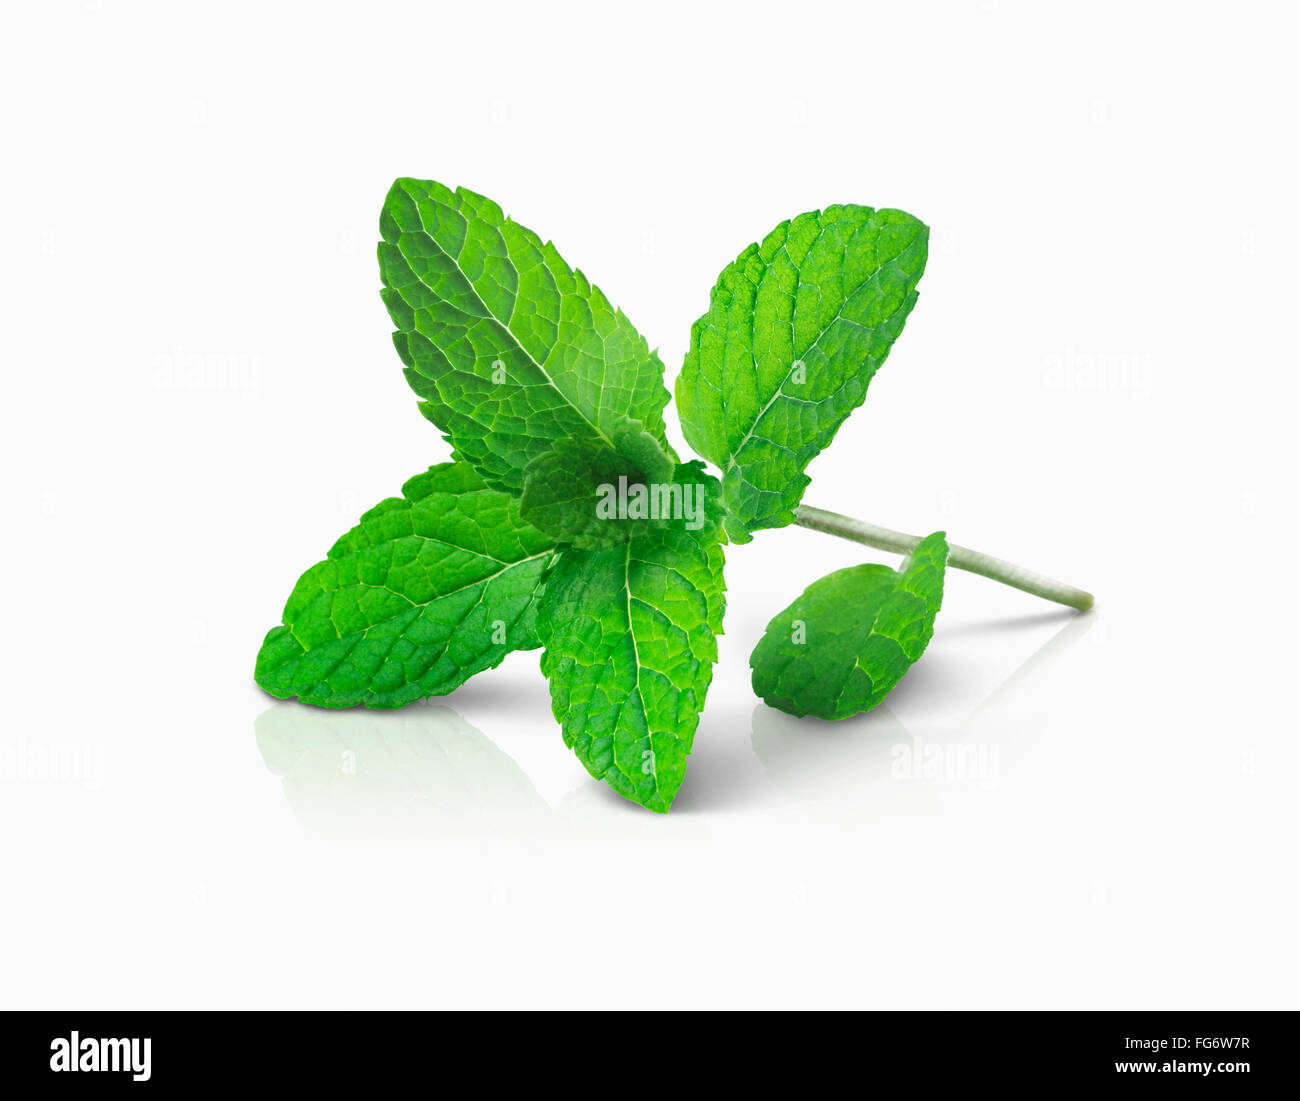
[(567, 521)]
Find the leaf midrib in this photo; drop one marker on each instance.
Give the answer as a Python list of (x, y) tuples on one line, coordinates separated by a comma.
[(487, 312), (636, 660), (413, 605), (839, 315)]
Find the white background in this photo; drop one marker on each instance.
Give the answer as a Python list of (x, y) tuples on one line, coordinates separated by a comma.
[(1099, 381)]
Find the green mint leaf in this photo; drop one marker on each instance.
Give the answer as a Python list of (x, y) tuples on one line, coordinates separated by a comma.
[(510, 348), (849, 638), (427, 590), (630, 640), (796, 328)]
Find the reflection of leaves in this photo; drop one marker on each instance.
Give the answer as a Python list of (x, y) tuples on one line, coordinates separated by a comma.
[(355, 775)]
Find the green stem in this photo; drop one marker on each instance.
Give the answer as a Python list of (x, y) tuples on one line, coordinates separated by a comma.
[(962, 558)]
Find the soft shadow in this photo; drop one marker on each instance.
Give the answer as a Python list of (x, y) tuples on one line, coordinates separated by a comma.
[(595, 814), (838, 770), (1010, 624), (1042, 659), (499, 698), (943, 680)]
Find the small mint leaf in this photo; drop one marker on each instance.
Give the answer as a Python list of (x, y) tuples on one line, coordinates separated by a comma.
[(849, 638)]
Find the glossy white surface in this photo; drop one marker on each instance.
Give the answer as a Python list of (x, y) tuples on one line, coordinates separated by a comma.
[(1099, 382)]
